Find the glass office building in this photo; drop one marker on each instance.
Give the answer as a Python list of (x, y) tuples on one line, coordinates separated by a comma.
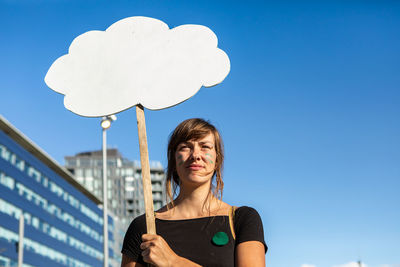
[(63, 223)]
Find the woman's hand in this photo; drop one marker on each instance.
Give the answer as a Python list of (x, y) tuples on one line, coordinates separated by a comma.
[(157, 252)]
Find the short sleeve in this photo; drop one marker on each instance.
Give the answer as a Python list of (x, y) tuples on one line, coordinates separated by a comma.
[(133, 239), (248, 226)]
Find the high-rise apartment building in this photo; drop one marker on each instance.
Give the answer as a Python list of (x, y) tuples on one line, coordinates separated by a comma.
[(125, 189), (63, 220)]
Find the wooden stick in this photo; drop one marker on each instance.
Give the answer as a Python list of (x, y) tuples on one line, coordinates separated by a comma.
[(144, 159)]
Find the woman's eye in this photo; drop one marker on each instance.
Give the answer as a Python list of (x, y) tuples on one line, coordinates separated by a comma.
[(206, 147), (183, 147)]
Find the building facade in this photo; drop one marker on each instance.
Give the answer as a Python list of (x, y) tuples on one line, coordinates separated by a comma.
[(125, 188), (134, 188), (63, 221)]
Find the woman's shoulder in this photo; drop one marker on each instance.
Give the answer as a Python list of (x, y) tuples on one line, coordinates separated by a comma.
[(245, 216), (245, 210), (138, 224), (164, 212), (140, 219)]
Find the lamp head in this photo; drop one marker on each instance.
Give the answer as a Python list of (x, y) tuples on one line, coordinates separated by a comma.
[(106, 121)]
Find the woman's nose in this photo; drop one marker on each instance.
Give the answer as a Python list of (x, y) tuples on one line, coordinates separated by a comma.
[(196, 153)]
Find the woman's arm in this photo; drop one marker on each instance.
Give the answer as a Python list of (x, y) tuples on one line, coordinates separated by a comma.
[(250, 254)]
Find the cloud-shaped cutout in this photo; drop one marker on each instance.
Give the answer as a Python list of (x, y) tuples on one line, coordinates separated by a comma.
[(137, 60)]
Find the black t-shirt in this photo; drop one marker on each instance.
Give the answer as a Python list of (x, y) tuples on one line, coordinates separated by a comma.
[(192, 238)]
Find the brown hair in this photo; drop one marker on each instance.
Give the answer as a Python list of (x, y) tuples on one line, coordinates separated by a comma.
[(193, 129)]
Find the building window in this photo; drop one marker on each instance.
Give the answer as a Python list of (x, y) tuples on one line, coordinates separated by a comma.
[(5, 153), (41, 249), (7, 181)]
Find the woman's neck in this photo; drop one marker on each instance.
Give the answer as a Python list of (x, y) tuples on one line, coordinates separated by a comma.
[(194, 203)]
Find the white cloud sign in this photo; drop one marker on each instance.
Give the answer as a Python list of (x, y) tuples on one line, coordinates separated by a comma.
[(137, 60)]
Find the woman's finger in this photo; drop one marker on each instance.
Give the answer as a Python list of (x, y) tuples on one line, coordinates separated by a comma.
[(148, 256), (148, 237), (145, 252), (147, 244)]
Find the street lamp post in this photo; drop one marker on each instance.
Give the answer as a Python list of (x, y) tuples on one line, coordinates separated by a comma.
[(105, 124), (21, 240)]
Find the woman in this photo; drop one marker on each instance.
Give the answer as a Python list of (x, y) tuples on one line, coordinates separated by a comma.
[(197, 228)]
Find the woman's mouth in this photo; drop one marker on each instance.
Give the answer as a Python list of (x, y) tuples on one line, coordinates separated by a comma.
[(195, 167)]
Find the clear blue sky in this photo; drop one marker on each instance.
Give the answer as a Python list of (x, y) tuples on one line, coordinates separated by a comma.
[(309, 112)]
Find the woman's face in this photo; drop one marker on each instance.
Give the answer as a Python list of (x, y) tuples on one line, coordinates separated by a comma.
[(195, 160)]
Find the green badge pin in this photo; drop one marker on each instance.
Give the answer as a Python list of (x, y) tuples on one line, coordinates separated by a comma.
[(220, 239)]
